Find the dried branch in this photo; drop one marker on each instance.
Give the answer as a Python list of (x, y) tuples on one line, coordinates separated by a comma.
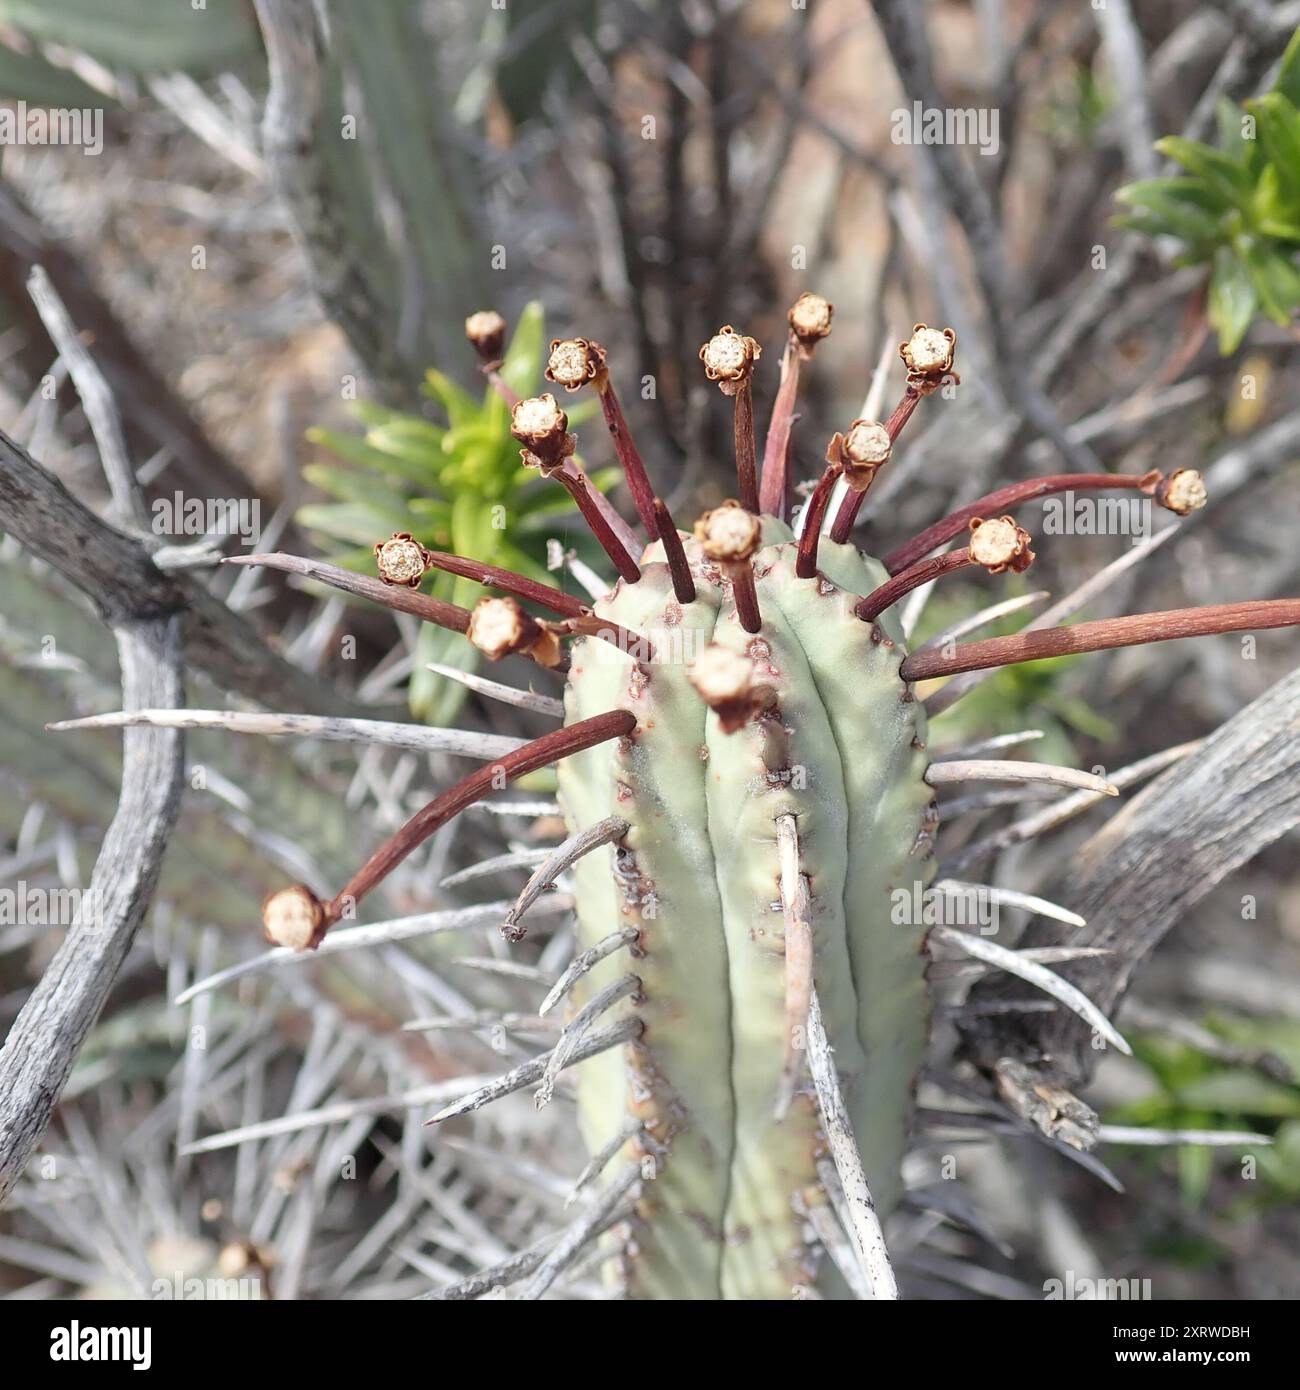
[(117, 574), (1144, 869), (47, 1035)]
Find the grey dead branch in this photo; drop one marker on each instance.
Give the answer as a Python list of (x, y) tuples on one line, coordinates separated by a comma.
[(1133, 881)]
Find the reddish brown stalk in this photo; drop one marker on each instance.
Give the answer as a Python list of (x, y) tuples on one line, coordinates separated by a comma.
[(576, 485), (746, 465), (776, 448), (541, 752), (805, 565), (626, 536), (569, 606), (1097, 636), (431, 610), (1000, 501), (746, 596), (674, 553), (629, 456), (501, 386), (554, 600), (875, 603), (848, 512)]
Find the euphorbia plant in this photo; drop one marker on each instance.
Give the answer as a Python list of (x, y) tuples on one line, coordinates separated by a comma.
[(747, 780)]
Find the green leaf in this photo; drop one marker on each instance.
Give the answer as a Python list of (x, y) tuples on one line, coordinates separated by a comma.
[(462, 409), (371, 414), (1195, 1171), (1279, 133), (1182, 190), (1227, 121), (356, 451), (358, 522), (432, 510), (1288, 73), (1174, 207), (1232, 300), (1276, 282), (1218, 171), (28, 77), (141, 36), (350, 486), (416, 442), (521, 368), (1236, 1091), (432, 697), (522, 563)]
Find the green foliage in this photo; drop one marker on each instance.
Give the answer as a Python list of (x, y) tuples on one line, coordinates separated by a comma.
[(1193, 1091), (1236, 208), (140, 36), (457, 486)]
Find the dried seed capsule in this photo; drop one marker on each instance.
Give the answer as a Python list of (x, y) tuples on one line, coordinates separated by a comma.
[(860, 452), (810, 318), (726, 683), (729, 535), (401, 559), (486, 331), (574, 362), (539, 424), (1182, 491), (294, 917), (729, 356), (500, 627), (999, 545), (928, 355)]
